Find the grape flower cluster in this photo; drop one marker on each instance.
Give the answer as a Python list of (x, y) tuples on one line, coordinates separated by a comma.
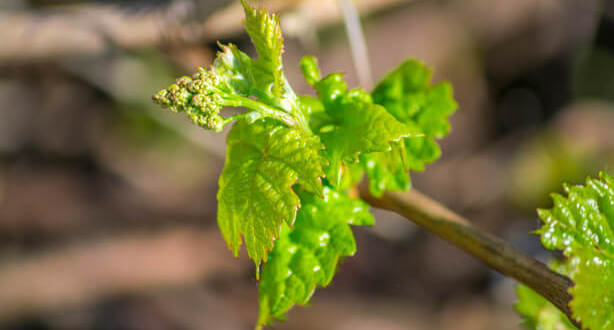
[(198, 97)]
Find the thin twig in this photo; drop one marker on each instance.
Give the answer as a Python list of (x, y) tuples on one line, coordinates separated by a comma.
[(492, 250), (358, 45)]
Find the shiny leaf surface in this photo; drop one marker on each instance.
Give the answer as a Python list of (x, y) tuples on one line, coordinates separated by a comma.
[(264, 160), (406, 94), (581, 225), (306, 255), (349, 123)]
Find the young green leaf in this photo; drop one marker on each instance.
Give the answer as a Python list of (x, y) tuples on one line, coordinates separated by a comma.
[(269, 149), (237, 80), (265, 31), (350, 124), (593, 292), (582, 226), (407, 95), (387, 170), (263, 161), (229, 82), (307, 254)]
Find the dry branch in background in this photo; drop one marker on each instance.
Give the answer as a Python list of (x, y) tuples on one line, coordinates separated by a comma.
[(87, 272), (93, 29)]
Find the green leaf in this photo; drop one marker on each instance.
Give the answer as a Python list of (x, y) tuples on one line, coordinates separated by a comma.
[(593, 293), (582, 226), (270, 149), (237, 80), (349, 123), (264, 160), (406, 93), (361, 127), (229, 82), (265, 31), (307, 254)]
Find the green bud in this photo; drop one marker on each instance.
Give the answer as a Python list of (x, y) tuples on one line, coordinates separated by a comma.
[(358, 94), (179, 97), (200, 74), (198, 86), (184, 82), (161, 98), (216, 123), (311, 71), (331, 87), (208, 103)]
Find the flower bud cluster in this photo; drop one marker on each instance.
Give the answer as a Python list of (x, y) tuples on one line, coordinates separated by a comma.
[(198, 96)]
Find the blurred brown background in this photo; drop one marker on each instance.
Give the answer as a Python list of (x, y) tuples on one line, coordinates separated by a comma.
[(107, 203)]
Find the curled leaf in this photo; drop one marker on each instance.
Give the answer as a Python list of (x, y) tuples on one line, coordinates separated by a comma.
[(406, 94), (306, 255), (350, 124)]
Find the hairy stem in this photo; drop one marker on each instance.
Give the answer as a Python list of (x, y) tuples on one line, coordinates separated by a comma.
[(491, 250), (239, 101)]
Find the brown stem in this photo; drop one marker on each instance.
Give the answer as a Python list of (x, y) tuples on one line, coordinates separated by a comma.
[(493, 251)]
